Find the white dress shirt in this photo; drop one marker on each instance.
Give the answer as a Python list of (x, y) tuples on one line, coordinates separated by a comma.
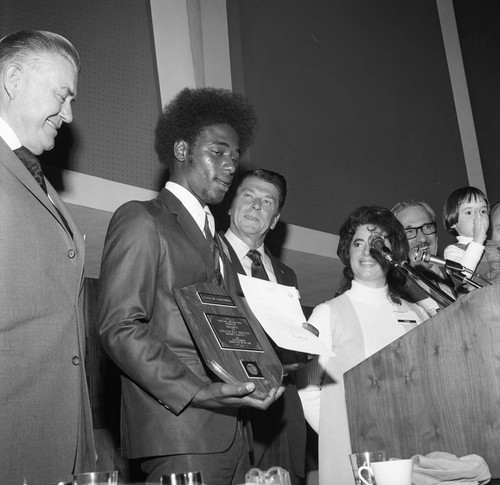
[(8, 135), (192, 204), (241, 249), (195, 209)]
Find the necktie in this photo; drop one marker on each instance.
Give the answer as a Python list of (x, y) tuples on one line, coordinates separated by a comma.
[(31, 162), (258, 270), (214, 248)]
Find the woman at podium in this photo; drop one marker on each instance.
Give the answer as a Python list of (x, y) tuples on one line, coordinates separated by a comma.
[(367, 314)]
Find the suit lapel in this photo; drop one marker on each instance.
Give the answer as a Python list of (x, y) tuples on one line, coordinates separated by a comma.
[(231, 255), (279, 273), (61, 206), (12, 162), (282, 277), (9, 159), (232, 266), (191, 229)]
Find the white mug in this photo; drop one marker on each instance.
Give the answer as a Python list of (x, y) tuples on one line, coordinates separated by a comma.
[(392, 472)]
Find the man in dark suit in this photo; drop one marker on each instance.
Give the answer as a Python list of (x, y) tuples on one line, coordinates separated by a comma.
[(45, 417), (279, 434), (175, 418)]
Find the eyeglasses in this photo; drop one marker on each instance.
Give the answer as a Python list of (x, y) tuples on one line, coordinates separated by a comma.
[(427, 229)]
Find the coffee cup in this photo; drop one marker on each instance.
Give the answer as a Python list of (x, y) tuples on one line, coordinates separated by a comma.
[(392, 472), (365, 459)]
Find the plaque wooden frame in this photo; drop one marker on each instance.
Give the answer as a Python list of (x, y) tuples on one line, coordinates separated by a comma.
[(229, 337)]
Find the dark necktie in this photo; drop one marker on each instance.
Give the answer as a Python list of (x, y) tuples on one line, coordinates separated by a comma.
[(31, 162), (214, 248), (258, 270)]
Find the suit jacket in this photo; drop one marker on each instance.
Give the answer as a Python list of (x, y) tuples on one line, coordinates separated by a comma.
[(151, 248), (279, 434), (45, 418)]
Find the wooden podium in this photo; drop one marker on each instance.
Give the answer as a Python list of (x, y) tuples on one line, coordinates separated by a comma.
[(437, 388)]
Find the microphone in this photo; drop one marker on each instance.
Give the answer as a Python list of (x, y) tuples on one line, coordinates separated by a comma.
[(448, 264), (377, 243)]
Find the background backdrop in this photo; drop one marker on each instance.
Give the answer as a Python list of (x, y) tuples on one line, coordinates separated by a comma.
[(355, 100)]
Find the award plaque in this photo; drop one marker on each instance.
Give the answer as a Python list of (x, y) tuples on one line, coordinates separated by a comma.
[(229, 337)]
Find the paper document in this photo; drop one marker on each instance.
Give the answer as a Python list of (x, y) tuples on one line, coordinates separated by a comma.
[(277, 308)]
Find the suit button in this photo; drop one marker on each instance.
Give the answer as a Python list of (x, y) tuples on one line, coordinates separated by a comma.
[(71, 254), (76, 360)]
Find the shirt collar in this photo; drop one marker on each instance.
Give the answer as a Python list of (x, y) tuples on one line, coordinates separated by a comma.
[(240, 248), (190, 202), (8, 135)]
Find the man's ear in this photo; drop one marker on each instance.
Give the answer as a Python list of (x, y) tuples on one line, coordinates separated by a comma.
[(181, 149), (275, 221), (11, 78)]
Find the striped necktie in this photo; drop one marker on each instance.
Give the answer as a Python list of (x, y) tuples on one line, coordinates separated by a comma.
[(258, 270), (214, 248)]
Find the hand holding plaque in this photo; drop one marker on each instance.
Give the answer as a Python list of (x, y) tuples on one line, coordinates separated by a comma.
[(222, 394), (229, 337)]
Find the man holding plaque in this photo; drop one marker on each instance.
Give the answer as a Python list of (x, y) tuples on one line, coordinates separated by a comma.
[(174, 417), (280, 432)]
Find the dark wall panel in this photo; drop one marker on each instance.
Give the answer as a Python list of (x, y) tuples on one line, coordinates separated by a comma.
[(479, 34), (354, 101), (118, 96)]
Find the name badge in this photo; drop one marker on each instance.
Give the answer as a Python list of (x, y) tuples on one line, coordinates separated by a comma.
[(407, 317)]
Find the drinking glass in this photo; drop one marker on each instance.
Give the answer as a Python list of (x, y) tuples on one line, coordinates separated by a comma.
[(96, 478), (274, 476), (188, 478), (364, 459)]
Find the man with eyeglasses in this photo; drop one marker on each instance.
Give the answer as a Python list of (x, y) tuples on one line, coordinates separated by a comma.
[(419, 221)]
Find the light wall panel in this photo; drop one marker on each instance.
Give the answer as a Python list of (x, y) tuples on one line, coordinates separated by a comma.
[(118, 101)]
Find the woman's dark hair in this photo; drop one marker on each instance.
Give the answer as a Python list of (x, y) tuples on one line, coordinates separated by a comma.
[(452, 205), (192, 110), (386, 221)]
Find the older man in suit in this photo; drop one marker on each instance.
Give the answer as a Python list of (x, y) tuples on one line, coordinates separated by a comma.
[(45, 419), (175, 417), (279, 434), (419, 222)]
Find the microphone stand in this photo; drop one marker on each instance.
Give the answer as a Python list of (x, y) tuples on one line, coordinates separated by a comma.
[(463, 278), (436, 293), (456, 270)]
